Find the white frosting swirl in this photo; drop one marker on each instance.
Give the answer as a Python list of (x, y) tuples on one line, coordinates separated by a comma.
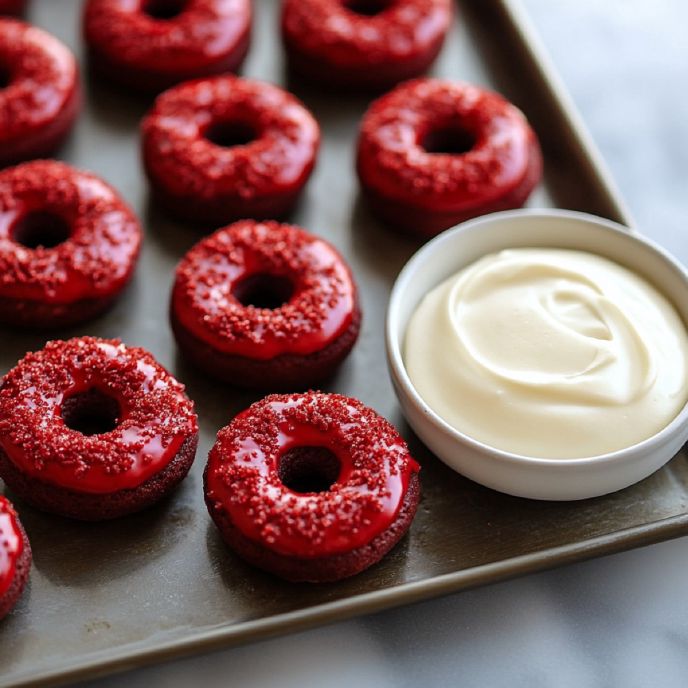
[(549, 353)]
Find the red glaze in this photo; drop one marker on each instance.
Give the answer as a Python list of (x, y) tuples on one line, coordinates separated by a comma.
[(242, 479), (204, 182), (137, 49), (155, 418), (12, 6), (95, 262), (11, 545), (321, 307), (42, 97), (425, 193), (329, 42)]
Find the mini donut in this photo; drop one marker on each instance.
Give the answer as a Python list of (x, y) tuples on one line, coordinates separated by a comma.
[(15, 557), (68, 245), (150, 45), (12, 7), (40, 95), (311, 487), (364, 44), (265, 305), (434, 153), (92, 429), (226, 148)]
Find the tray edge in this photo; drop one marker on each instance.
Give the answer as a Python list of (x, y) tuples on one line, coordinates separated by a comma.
[(367, 603)]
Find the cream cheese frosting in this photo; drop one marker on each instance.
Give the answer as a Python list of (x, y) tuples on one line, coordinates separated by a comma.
[(549, 353)]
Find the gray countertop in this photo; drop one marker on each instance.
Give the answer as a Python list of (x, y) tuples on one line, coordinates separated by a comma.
[(617, 621)]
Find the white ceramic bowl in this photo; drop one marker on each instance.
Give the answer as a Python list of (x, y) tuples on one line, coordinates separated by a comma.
[(523, 476)]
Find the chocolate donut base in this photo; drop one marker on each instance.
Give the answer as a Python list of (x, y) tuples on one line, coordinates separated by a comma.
[(146, 80), (288, 372), (369, 78), (85, 506), (37, 315), (322, 569), (218, 212), (44, 142), (418, 221)]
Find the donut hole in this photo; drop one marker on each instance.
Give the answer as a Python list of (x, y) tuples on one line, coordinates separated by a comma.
[(448, 141), (164, 9), (91, 412), (309, 469), (367, 8), (230, 134), (263, 290), (40, 229)]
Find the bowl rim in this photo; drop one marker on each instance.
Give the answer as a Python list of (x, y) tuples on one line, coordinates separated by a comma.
[(400, 377)]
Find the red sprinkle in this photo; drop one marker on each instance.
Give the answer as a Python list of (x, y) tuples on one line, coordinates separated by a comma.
[(11, 544), (330, 40), (40, 102), (243, 480), (205, 37), (96, 260), (238, 180), (393, 163), (155, 415), (319, 310)]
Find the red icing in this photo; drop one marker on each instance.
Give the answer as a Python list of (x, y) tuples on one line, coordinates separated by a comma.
[(99, 256), (398, 42), (320, 309), (242, 475), (11, 544), (180, 160), (155, 415), (39, 104), (393, 164), (207, 37)]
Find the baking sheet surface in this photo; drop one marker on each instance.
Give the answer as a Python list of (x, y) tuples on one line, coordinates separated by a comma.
[(102, 593)]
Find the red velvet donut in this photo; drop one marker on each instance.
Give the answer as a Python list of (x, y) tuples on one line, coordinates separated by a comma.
[(15, 557), (222, 149), (40, 97), (265, 305), (312, 487), (14, 7), (68, 245), (93, 429), (151, 45), (434, 153), (369, 44)]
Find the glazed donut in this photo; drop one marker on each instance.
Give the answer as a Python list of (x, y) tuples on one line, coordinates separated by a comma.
[(68, 245), (12, 7), (151, 45), (434, 153), (92, 429), (40, 95), (15, 557), (226, 148), (368, 44), (311, 487), (265, 305)]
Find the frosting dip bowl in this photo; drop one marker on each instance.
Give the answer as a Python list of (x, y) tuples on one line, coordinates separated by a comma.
[(540, 476)]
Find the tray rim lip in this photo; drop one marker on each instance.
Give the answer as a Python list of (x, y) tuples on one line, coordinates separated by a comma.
[(228, 635), (541, 61)]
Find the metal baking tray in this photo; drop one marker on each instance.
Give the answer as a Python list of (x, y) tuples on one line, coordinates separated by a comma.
[(160, 584)]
